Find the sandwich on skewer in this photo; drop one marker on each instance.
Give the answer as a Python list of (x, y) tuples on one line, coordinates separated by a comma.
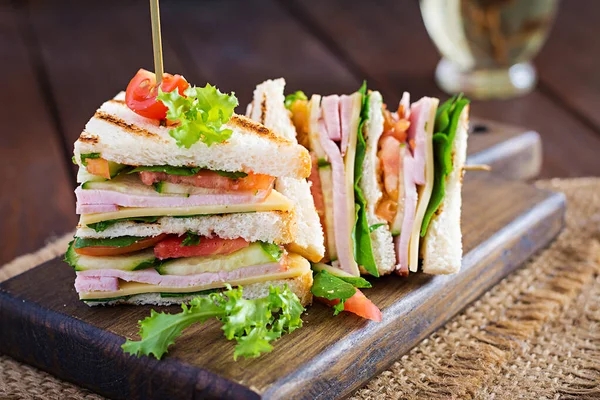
[(173, 206)]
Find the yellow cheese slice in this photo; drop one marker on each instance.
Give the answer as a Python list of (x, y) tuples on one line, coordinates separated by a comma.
[(275, 202), (297, 266), (424, 191)]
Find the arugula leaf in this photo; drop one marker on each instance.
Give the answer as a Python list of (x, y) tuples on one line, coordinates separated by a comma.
[(446, 125), (103, 225), (252, 323), (375, 226), (232, 175), (363, 247), (168, 169), (191, 239), (200, 113), (356, 281), (273, 250), (84, 157), (121, 241), (291, 98), (331, 287)]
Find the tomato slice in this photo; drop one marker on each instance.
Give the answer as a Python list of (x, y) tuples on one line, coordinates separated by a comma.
[(358, 304), (173, 247), (114, 251), (98, 166), (142, 91), (212, 180)]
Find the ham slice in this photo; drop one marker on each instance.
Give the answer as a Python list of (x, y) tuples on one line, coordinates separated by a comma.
[(414, 174), (105, 198), (331, 114), (346, 110), (416, 132), (97, 280), (96, 284), (410, 208), (343, 229)]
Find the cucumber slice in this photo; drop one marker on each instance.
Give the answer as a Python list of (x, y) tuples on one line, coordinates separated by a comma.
[(251, 255), (327, 188), (84, 176), (126, 262), (132, 184)]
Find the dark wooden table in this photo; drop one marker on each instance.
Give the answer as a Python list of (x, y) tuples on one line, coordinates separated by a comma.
[(59, 60)]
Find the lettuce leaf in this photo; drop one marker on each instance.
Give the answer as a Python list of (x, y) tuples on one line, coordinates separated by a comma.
[(333, 287), (200, 114), (446, 124), (191, 239), (168, 169), (252, 323), (84, 157), (363, 248), (273, 250)]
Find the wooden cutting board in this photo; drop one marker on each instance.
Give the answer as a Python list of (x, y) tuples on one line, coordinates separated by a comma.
[(42, 322)]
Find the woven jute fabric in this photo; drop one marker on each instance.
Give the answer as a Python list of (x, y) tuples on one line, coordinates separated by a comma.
[(535, 335)]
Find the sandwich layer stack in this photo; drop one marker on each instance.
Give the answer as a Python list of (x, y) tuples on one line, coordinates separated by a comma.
[(161, 222)]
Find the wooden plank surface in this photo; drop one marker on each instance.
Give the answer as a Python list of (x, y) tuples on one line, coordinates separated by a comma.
[(503, 224), (37, 199)]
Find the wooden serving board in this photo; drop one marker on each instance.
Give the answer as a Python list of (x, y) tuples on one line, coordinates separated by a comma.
[(43, 323)]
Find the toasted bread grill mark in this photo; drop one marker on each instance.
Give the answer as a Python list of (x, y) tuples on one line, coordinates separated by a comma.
[(263, 109), (133, 129), (86, 137), (246, 123), (116, 101)]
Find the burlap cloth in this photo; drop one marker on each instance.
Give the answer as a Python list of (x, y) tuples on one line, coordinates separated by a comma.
[(535, 335)]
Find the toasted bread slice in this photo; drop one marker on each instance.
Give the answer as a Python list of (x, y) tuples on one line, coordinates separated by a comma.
[(268, 108), (441, 248), (278, 227), (122, 136)]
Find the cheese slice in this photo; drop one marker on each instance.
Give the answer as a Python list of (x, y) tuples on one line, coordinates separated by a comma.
[(275, 202), (424, 191), (297, 266)]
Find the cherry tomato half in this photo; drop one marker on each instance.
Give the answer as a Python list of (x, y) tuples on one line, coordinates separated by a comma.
[(142, 91)]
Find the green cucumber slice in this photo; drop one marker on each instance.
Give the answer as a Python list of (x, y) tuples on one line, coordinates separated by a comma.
[(246, 257), (126, 262)]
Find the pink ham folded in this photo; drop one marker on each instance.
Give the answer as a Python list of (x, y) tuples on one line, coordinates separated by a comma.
[(91, 200), (343, 229), (331, 114), (100, 279), (414, 174)]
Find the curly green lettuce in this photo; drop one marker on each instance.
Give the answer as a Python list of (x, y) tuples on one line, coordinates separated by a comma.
[(253, 324), (200, 113)]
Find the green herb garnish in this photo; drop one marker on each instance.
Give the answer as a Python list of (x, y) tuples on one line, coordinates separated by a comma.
[(168, 169), (291, 98), (84, 157), (121, 241), (191, 239), (321, 162), (232, 175), (103, 225), (200, 114), (332, 287), (375, 226), (252, 323)]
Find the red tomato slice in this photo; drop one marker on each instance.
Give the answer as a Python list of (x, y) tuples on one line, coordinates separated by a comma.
[(359, 305), (208, 246), (212, 180), (113, 251), (98, 166), (142, 91)]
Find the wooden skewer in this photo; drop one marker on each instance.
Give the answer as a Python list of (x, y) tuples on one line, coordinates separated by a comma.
[(481, 167), (156, 41)]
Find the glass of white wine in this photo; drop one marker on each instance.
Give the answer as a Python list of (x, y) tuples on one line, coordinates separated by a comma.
[(487, 45)]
